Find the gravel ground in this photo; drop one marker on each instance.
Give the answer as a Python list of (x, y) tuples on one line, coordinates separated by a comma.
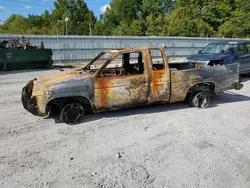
[(169, 145)]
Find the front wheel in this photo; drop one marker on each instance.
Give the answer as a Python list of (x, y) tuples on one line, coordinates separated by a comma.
[(199, 99), (72, 113)]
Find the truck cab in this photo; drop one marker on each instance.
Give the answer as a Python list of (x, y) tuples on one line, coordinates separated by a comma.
[(130, 77)]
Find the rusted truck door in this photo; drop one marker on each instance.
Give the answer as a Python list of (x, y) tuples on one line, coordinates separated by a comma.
[(160, 87), (123, 86)]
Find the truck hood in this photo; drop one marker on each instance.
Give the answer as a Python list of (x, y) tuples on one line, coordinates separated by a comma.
[(44, 83), (208, 57)]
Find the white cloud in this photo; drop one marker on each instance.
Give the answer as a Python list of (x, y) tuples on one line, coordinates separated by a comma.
[(27, 6), (104, 8)]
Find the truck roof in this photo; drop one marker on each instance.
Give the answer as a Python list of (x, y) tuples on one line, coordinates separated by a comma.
[(131, 49)]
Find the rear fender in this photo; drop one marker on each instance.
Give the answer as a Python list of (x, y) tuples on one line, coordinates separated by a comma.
[(208, 87)]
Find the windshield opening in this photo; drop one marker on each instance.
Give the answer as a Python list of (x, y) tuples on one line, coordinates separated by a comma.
[(219, 48), (98, 61)]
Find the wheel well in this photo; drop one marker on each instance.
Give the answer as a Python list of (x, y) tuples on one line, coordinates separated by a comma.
[(58, 102), (208, 86)]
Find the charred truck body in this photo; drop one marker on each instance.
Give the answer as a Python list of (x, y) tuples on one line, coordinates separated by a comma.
[(125, 78)]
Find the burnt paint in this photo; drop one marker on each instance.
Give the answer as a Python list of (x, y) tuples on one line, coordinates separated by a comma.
[(223, 77)]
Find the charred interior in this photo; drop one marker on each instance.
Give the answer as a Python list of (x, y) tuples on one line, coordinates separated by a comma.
[(124, 64), (216, 62), (129, 63), (182, 66)]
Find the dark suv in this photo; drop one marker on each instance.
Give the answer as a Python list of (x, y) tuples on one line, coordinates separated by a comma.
[(224, 53)]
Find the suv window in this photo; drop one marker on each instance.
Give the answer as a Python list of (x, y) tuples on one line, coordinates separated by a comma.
[(242, 49), (248, 48)]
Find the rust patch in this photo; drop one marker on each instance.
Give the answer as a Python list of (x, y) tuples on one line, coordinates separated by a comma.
[(160, 85), (137, 90), (155, 85), (103, 92), (118, 92), (47, 81)]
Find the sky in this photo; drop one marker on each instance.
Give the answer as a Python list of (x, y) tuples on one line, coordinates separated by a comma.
[(37, 7)]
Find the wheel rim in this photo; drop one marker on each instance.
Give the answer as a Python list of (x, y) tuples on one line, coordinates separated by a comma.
[(201, 100), (72, 113)]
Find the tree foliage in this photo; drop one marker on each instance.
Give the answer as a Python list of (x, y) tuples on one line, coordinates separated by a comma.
[(238, 25), (186, 21), (81, 19), (224, 18)]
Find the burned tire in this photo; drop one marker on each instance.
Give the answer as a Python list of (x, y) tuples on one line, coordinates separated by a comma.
[(72, 113), (199, 99)]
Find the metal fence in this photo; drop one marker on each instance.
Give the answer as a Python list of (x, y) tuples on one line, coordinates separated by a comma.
[(83, 48)]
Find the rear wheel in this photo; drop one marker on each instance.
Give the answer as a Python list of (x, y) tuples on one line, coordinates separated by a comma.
[(72, 113), (199, 99)]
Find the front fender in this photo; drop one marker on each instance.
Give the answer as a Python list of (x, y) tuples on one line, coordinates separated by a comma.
[(80, 96), (228, 60)]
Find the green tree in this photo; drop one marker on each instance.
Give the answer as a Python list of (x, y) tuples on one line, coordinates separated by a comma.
[(133, 29), (156, 25), (3, 29), (17, 24), (157, 7), (216, 13), (186, 21), (238, 25), (46, 19), (101, 29), (37, 25), (81, 18), (121, 13), (227, 18), (35, 21), (78, 13)]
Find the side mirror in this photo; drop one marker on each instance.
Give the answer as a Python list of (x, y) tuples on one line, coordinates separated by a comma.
[(199, 52)]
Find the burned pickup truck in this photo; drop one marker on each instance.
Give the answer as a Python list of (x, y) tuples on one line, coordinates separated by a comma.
[(124, 78)]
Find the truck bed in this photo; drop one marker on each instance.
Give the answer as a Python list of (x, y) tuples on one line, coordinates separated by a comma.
[(223, 77)]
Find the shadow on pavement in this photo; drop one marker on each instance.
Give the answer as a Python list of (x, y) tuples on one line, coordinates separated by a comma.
[(226, 97)]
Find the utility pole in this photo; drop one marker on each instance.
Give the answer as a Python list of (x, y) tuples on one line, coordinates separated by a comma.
[(66, 20), (58, 47), (57, 32), (90, 30)]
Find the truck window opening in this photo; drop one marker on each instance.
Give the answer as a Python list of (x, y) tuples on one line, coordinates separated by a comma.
[(124, 65), (157, 60)]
